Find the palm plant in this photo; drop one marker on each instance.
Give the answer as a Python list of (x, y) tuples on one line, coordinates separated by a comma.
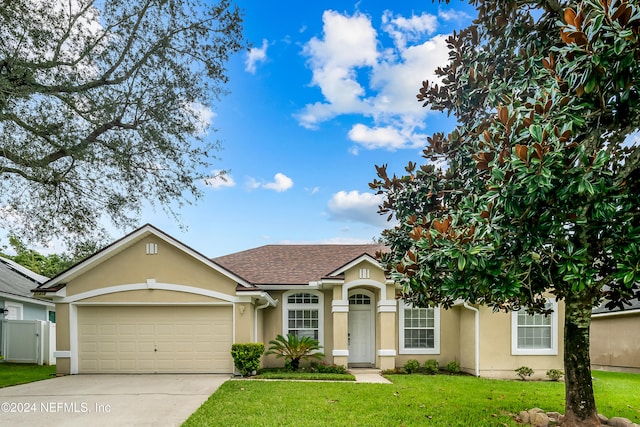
[(295, 348)]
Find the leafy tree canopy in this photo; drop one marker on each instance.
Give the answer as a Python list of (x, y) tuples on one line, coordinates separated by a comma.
[(536, 191), (52, 264), (103, 105)]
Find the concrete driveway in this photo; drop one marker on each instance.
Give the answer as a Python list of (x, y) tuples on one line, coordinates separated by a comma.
[(107, 400)]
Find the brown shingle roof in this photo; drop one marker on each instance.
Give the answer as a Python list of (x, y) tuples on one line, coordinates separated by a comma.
[(292, 264)]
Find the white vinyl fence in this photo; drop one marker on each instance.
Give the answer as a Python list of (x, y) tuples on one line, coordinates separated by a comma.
[(29, 341)]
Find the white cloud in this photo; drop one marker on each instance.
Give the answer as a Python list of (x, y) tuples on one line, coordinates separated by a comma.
[(388, 137), (202, 116), (453, 15), (219, 179), (349, 42), (357, 207), (313, 190), (356, 75), (280, 183), (256, 55), (403, 30)]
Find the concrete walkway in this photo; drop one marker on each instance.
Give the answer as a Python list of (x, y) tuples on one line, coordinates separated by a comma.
[(368, 375)]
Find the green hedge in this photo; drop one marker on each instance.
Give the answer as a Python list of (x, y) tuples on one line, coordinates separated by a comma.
[(246, 356)]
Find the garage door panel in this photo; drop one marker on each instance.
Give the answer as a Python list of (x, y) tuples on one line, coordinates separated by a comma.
[(144, 339)]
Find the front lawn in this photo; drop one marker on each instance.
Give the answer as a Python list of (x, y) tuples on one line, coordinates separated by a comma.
[(412, 400), (18, 373)]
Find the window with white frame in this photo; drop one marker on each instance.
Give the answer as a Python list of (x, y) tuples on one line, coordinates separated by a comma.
[(535, 334), (419, 329), (302, 314)]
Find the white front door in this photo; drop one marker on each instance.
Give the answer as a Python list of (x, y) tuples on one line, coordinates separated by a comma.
[(361, 329)]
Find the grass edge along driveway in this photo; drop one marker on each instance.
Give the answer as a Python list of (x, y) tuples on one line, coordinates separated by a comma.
[(20, 373), (412, 400)]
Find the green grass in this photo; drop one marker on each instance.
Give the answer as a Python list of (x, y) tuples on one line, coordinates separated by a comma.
[(412, 400), (309, 376), (18, 373)]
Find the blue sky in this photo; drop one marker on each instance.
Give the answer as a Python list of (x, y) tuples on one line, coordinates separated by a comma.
[(327, 92)]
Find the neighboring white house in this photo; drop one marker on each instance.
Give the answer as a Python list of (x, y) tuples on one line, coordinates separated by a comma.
[(16, 299)]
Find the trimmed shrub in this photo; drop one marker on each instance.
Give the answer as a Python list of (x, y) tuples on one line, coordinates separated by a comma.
[(523, 372), (453, 368), (554, 374), (246, 356), (412, 366), (431, 367), (325, 368), (394, 371)]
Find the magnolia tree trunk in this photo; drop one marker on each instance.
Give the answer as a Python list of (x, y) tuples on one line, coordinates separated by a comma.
[(580, 404)]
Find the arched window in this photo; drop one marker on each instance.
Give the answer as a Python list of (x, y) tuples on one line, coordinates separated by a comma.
[(303, 314), (359, 299)]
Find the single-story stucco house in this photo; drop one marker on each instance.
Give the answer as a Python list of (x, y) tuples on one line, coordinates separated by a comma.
[(615, 338), (148, 303)]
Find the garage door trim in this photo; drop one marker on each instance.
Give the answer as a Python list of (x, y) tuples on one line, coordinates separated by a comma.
[(73, 323), (150, 284)]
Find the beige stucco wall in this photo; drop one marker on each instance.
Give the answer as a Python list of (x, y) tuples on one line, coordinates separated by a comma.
[(154, 296), (244, 315), (449, 343), (496, 360), (466, 340), (615, 342), (271, 326), (63, 366), (353, 274), (169, 265)]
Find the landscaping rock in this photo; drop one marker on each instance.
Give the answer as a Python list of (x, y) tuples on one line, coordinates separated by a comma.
[(534, 411), (555, 418), (619, 422), (539, 419)]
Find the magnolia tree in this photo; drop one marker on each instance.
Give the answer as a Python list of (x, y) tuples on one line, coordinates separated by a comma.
[(104, 104), (537, 190)]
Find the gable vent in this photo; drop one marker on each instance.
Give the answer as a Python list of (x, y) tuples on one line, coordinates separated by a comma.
[(365, 273), (152, 248)]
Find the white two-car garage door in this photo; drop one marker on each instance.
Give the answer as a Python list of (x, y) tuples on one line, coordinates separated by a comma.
[(155, 339)]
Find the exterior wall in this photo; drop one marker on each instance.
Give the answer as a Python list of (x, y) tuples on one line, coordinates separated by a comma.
[(34, 311), (63, 340), (467, 341), (271, 326), (244, 315), (132, 266), (496, 360), (30, 311), (450, 345), (615, 342), (169, 265), (153, 296)]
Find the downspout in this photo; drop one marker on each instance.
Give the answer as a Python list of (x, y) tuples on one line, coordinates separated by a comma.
[(477, 336), (255, 319)]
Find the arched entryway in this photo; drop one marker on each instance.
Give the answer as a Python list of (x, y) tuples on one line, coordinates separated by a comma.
[(362, 336)]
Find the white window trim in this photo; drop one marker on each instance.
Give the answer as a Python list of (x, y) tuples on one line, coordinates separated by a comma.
[(553, 351), (287, 306), (436, 329)]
